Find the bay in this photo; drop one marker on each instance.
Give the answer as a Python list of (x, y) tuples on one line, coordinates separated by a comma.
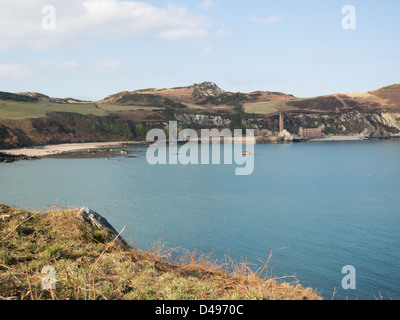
[(317, 206)]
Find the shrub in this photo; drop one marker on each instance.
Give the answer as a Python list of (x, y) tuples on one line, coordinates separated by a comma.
[(16, 97), (230, 99)]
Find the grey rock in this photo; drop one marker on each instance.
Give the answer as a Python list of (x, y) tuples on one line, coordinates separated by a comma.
[(26, 217), (203, 121), (88, 216), (206, 89)]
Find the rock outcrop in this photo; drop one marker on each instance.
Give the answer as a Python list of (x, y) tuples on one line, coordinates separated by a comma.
[(204, 121), (104, 231), (380, 124), (206, 89), (7, 158), (285, 136)]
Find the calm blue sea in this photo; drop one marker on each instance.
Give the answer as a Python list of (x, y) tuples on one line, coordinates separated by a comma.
[(317, 206)]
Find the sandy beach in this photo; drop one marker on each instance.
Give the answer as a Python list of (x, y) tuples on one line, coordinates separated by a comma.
[(59, 149), (48, 150)]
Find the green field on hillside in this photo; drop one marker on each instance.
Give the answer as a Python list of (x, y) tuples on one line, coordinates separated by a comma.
[(17, 110), (265, 107)]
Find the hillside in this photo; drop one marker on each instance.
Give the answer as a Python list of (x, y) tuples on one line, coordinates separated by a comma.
[(91, 265), (28, 119), (202, 97), (390, 95)]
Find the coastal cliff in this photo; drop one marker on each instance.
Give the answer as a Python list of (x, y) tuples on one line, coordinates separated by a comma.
[(33, 132), (378, 124), (32, 119)]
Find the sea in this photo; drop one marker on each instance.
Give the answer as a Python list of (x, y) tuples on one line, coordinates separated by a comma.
[(325, 215)]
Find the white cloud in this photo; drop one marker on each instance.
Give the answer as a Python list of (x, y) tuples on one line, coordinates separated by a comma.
[(269, 20), (79, 20), (69, 64), (103, 67), (206, 51), (371, 33), (223, 33), (177, 34), (207, 4)]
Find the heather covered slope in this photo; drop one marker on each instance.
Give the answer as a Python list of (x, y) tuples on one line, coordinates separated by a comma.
[(206, 97)]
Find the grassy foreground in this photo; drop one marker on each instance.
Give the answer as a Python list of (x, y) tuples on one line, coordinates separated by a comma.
[(90, 268)]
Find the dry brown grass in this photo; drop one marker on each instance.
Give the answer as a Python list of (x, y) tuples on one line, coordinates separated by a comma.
[(87, 269)]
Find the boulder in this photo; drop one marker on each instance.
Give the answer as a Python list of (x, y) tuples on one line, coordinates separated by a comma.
[(103, 230)]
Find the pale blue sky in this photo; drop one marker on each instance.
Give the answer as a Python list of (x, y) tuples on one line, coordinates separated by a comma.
[(100, 47)]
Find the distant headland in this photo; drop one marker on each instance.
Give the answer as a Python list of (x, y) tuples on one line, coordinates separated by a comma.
[(33, 119)]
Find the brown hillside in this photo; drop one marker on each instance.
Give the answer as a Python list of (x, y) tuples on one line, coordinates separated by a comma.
[(202, 97), (391, 94)]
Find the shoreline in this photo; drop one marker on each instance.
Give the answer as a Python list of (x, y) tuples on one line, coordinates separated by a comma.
[(67, 148), (107, 149)]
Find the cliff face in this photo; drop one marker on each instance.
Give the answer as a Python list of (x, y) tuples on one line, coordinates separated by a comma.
[(379, 124), (57, 129), (202, 121), (64, 128)]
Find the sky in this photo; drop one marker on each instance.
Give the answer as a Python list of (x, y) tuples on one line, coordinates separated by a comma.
[(89, 49)]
